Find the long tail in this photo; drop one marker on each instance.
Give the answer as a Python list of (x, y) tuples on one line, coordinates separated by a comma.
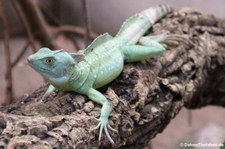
[(156, 13), (136, 26)]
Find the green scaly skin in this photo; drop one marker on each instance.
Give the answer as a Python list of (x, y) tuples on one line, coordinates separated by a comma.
[(102, 61)]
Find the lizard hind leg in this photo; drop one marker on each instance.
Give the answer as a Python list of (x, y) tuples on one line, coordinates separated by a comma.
[(147, 48), (164, 39)]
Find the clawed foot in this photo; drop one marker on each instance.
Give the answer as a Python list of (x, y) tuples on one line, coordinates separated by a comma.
[(175, 39), (171, 39), (42, 99), (103, 124)]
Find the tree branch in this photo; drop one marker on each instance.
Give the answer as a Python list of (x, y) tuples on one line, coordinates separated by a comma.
[(74, 29), (145, 97), (24, 20), (20, 55), (86, 22), (35, 18), (8, 74)]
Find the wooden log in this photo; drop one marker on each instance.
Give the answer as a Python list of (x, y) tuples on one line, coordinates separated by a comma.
[(145, 97)]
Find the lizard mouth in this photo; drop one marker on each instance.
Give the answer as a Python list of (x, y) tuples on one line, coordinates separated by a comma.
[(43, 71)]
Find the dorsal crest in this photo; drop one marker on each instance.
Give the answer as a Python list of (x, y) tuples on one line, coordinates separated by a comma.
[(97, 42), (79, 56)]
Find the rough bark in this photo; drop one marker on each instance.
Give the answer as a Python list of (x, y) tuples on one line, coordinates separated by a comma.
[(145, 97)]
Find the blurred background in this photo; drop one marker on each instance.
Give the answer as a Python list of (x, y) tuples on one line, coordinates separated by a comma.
[(102, 16)]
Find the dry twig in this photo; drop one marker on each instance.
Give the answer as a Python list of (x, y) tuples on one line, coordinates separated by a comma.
[(86, 22), (20, 55), (24, 19), (74, 29), (8, 74)]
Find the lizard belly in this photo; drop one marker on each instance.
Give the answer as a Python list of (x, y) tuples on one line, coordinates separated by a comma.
[(108, 71)]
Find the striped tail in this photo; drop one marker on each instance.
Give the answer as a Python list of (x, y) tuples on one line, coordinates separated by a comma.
[(137, 25), (156, 13)]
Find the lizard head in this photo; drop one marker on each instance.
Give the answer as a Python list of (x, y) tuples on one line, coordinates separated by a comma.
[(52, 65)]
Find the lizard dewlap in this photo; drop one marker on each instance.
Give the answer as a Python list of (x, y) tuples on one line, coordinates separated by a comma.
[(101, 62)]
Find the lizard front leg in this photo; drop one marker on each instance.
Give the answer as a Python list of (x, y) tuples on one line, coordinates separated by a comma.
[(50, 89), (99, 98)]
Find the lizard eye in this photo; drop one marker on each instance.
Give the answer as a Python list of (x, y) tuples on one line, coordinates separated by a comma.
[(49, 60)]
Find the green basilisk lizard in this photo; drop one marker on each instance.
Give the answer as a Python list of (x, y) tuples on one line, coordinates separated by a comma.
[(102, 61)]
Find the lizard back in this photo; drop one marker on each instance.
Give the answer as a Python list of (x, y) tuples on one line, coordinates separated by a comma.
[(102, 61)]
